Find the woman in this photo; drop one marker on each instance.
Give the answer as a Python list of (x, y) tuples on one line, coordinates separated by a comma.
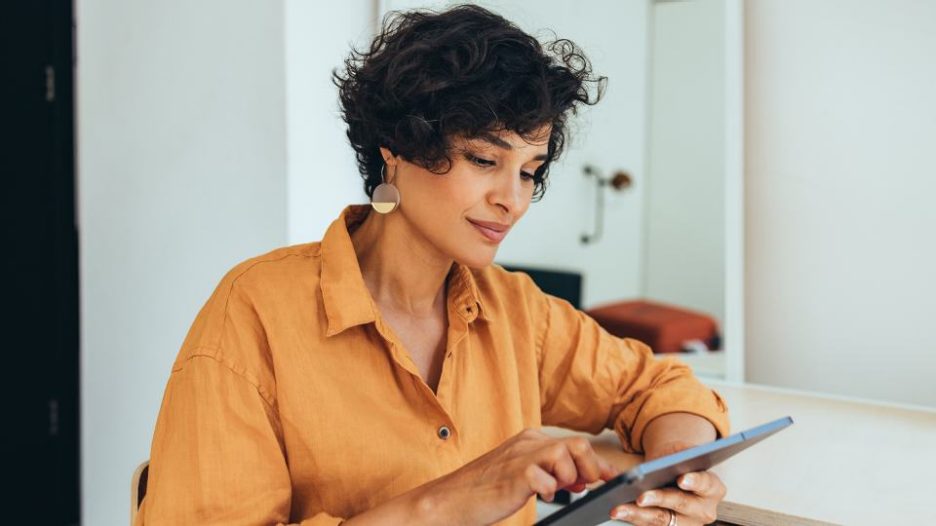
[(390, 374)]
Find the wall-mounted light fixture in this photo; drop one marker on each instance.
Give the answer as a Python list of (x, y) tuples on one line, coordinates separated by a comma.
[(618, 181)]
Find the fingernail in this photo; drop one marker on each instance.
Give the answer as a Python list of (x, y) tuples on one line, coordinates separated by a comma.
[(648, 499), (622, 513), (688, 481)]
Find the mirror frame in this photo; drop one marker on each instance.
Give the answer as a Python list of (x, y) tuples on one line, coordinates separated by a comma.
[(734, 192)]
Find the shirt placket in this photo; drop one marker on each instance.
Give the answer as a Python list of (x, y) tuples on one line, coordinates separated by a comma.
[(457, 341), (438, 417)]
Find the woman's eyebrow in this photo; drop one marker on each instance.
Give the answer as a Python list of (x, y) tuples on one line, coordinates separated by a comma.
[(501, 143), (496, 141)]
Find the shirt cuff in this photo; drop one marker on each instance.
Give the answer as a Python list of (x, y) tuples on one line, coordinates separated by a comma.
[(706, 403)]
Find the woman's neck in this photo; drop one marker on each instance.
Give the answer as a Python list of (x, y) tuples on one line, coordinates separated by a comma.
[(401, 269)]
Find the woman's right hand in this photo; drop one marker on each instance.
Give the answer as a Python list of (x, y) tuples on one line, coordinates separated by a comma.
[(498, 483)]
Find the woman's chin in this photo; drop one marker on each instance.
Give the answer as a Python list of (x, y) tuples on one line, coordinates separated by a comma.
[(477, 259)]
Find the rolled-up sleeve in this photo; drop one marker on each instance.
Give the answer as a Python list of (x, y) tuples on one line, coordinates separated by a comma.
[(590, 380)]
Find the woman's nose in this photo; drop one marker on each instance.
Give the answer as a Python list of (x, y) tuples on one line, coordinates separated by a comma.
[(509, 191)]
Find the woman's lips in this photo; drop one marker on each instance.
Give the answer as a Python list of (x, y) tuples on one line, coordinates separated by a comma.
[(495, 232)]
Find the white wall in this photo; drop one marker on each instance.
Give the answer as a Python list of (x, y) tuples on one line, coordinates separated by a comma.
[(841, 179), (181, 174), (611, 136), (323, 176)]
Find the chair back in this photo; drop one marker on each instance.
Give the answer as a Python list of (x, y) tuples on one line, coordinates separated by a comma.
[(138, 489)]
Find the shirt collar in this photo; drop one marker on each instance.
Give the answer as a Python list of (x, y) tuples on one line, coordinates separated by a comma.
[(463, 294), (346, 298), (347, 301)]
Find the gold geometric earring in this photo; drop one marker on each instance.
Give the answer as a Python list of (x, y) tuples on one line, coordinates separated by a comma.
[(386, 197)]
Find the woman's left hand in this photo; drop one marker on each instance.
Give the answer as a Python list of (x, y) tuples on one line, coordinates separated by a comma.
[(693, 503)]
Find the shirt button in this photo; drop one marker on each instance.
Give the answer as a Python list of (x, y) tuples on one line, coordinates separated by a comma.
[(444, 432)]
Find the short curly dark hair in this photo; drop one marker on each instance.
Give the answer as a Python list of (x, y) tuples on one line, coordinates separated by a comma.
[(429, 77)]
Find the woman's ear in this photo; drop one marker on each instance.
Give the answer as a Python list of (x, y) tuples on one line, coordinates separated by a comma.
[(388, 157)]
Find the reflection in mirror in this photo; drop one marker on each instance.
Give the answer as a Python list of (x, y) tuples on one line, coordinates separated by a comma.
[(685, 222)]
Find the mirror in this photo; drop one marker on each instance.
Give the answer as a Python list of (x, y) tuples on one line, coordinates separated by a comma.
[(645, 204), (692, 234)]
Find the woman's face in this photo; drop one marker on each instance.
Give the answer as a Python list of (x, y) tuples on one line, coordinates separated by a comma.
[(466, 213)]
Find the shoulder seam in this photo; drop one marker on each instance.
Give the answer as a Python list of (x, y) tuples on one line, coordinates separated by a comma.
[(272, 260), (227, 297), (215, 354)]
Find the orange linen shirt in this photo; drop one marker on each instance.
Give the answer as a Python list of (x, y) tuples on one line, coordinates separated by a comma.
[(293, 401)]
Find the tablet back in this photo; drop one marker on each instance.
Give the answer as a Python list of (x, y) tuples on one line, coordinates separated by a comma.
[(595, 507)]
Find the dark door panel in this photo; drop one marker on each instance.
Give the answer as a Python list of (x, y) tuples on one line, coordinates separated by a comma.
[(40, 260)]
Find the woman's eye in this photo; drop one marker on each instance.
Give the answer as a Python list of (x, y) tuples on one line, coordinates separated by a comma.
[(479, 161), (487, 163)]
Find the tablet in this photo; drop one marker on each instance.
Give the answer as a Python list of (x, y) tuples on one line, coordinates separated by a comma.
[(595, 507)]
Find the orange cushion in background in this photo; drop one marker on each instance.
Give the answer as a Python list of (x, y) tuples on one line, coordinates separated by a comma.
[(663, 327)]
